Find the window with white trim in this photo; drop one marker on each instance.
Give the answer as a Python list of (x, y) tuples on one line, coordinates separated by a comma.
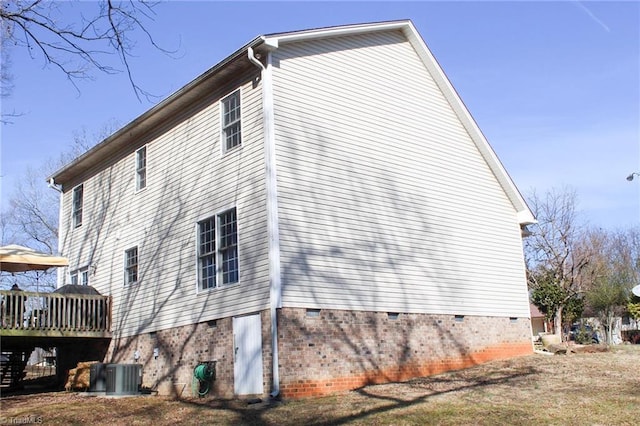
[(218, 250), (76, 208), (80, 276), (131, 266), (141, 168), (231, 123)]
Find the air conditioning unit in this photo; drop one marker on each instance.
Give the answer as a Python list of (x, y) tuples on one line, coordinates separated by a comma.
[(123, 379), (98, 377)]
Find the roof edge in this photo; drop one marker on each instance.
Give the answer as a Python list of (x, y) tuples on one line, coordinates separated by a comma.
[(272, 41), (341, 30), (155, 110), (523, 212)]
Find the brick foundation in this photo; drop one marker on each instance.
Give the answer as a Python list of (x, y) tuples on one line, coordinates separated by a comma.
[(181, 349), (327, 351), (343, 350)]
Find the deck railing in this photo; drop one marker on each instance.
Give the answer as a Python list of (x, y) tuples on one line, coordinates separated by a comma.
[(25, 310)]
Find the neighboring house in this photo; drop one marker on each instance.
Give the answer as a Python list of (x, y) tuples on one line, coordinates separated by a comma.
[(317, 212), (625, 329), (629, 329), (538, 321)]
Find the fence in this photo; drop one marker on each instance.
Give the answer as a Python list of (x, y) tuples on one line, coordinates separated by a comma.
[(24, 310)]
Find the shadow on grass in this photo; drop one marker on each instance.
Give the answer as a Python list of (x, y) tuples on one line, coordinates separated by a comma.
[(377, 399)]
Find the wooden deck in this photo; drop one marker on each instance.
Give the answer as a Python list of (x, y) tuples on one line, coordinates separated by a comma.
[(51, 315)]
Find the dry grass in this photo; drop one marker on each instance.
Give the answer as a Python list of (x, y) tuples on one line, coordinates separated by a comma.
[(575, 389)]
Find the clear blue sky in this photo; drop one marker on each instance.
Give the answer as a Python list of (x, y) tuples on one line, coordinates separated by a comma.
[(554, 86)]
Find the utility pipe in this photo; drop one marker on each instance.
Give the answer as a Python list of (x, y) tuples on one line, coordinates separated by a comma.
[(58, 188), (275, 281)]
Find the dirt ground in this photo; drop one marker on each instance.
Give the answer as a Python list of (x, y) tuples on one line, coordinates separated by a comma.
[(573, 389)]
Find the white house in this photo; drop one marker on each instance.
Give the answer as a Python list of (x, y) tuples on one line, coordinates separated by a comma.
[(316, 212)]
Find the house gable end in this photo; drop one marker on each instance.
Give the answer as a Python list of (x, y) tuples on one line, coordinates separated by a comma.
[(409, 31)]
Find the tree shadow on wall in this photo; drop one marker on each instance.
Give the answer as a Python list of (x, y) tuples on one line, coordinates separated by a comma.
[(166, 289), (357, 243)]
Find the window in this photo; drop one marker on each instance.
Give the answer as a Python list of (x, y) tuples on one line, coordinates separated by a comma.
[(218, 250), (76, 209), (131, 266), (207, 253), (141, 168), (80, 276), (231, 121), (229, 246)]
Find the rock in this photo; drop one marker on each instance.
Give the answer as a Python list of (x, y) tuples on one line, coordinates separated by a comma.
[(558, 349), (550, 339)]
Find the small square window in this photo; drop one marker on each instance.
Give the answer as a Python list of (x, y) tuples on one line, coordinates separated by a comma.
[(231, 121), (131, 266), (141, 168), (80, 276), (76, 208), (393, 315)]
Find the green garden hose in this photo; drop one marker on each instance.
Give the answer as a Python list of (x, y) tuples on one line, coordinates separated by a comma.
[(203, 373)]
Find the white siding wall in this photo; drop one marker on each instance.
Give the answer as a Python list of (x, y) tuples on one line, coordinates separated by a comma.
[(188, 179), (385, 203)]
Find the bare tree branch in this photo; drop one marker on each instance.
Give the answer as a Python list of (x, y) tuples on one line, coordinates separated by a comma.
[(77, 48), (553, 252), (31, 217)]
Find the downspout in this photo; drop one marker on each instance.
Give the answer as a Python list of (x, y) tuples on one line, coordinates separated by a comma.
[(56, 187), (275, 281)]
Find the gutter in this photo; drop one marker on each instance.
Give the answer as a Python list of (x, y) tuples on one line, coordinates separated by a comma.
[(275, 279), (56, 187), (156, 113)]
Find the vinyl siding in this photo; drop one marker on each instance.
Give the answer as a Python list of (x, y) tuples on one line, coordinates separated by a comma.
[(188, 179), (385, 203)]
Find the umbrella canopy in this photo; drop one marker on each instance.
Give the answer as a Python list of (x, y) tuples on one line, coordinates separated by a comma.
[(77, 289), (16, 258)]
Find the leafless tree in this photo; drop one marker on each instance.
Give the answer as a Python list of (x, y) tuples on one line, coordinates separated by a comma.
[(611, 273), (553, 253), (6, 79), (31, 217), (75, 45)]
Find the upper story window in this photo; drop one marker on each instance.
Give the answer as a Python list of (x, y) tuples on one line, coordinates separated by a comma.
[(218, 250), (141, 168), (231, 128), (131, 266), (76, 209), (80, 276)]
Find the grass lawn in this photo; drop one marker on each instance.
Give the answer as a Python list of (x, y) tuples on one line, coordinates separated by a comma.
[(574, 389)]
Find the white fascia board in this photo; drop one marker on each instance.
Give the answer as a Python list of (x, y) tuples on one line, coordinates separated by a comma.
[(525, 217), (524, 214), (274, 40)]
